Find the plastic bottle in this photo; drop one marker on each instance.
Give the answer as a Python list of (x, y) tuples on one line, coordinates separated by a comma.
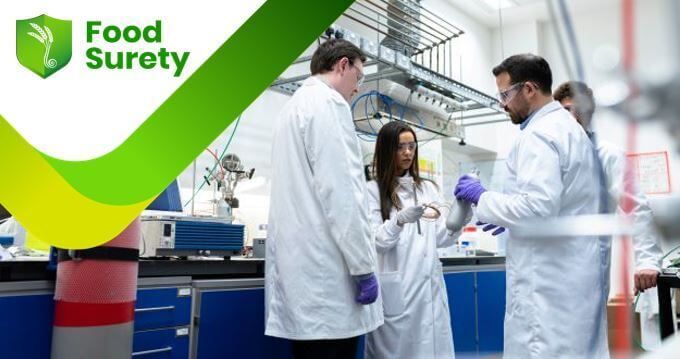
[(469, 240), (460, 211)]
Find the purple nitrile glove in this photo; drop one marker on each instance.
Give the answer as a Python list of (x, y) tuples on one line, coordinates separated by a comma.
[(469, 189), (488, 227), (368, 288)]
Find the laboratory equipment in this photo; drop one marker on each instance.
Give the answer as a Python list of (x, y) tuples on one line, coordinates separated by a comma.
[(168, 235), (259, 242), (231, 173)]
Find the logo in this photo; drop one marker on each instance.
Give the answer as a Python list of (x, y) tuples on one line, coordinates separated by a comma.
[(44, 44)]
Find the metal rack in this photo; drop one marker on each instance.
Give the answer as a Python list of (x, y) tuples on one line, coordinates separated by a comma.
[(413, 48)]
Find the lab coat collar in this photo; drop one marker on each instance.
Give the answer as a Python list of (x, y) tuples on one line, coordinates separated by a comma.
[(315, 80), (405, 180), (546, 109)]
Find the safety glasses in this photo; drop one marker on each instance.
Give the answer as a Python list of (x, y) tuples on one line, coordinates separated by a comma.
[(504, 97), (411, 146), (360, 76)]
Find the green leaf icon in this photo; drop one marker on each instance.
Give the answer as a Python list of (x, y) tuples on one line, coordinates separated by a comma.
[(43, 44)]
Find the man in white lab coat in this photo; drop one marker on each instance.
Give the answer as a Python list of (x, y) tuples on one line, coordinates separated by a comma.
[(320, 286), (577, 98), (555, 307)]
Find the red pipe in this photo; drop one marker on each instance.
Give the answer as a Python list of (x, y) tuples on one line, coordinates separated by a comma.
[(95, 302)]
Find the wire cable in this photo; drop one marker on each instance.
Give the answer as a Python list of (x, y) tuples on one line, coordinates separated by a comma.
[(231, 137)]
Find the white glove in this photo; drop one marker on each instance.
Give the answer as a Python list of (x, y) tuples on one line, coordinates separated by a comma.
[(410, 214)]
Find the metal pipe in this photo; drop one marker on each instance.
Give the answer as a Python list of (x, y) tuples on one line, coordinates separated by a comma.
[(378, 30), (484, 122), (396, 17), (302, 59), (410, 6), (415, 18), (450, 60), (477, 115), (370, 77), (417, 41)]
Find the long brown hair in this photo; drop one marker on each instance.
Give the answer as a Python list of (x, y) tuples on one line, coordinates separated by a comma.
[(385, 167)]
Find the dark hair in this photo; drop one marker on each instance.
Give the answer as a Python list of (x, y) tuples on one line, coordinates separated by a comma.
[(385, 168), (582, 97), (527, 67), (331, 51)]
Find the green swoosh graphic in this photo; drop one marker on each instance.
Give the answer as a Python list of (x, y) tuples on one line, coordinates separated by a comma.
[(50, 208), (80, 204), (202, 108)]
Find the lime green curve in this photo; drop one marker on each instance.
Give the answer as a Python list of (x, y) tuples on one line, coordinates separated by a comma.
[(49, 207), (196, 113)]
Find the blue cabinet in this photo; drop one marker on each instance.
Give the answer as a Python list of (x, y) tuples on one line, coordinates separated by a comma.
[(232, 322), (26, 326), (491, 304), (477, 304), (229, 319), (460, 288)]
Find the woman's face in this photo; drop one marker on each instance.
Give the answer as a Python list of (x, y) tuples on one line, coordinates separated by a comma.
[(406, 151)]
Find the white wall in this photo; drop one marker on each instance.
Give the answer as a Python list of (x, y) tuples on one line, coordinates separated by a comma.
[(474, 46)]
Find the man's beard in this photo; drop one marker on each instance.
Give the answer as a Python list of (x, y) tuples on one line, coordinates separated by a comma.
[(516, 118)]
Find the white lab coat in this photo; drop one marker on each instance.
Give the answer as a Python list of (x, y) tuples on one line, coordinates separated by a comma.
[(318, 234), (555, 307), (417, 320), (645, 239)]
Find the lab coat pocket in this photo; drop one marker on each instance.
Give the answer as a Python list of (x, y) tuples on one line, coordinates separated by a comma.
[(392, 293)]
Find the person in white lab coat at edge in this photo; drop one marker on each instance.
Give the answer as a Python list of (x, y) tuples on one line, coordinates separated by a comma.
[(555, 305), (407, 235), (320, 288), (577, 98)]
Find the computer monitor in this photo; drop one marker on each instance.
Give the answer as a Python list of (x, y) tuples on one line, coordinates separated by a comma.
[(4, 213), (168, 200)]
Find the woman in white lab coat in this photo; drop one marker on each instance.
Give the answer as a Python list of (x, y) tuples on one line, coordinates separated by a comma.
[(417, 320)]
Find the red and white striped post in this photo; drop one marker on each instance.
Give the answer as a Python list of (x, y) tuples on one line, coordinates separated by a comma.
[(95, 297)]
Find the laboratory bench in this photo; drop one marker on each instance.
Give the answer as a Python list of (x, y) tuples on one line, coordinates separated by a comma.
[(215, 309)]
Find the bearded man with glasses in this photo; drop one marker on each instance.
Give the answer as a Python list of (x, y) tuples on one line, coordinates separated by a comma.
[(555, 305)]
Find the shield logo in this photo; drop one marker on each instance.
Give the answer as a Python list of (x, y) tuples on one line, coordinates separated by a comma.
[(44, 44)]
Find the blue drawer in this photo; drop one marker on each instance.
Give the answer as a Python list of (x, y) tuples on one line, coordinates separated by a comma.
[(161, 344), (162, 308)]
